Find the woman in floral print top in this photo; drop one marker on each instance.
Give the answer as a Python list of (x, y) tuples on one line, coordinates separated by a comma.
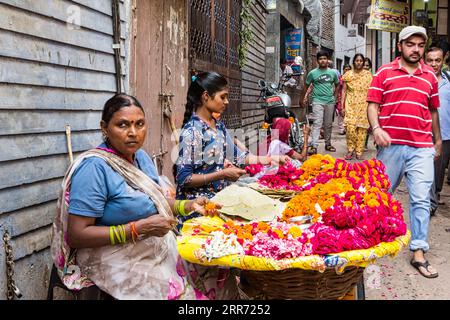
[(208, 159)]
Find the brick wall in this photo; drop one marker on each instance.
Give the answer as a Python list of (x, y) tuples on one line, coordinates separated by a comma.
[(328, 24)]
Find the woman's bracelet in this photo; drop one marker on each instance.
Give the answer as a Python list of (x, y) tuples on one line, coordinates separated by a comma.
[(117, 233), (376, 127), (134, 233), (111, 236), (179, 207)]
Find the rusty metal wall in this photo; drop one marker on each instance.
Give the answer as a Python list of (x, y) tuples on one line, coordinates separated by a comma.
[(159, 65)]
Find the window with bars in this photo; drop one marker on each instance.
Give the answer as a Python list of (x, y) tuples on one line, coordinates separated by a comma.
[(344, 20), (361, 28)]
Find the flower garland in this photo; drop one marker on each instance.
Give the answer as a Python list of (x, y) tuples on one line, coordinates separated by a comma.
[(316, 199), (349, 202), (286, 178)]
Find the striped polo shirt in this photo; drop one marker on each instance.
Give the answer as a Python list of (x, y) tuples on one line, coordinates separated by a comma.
[(405, 101)]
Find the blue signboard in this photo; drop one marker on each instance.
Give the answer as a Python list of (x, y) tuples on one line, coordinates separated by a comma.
[(293, 43)]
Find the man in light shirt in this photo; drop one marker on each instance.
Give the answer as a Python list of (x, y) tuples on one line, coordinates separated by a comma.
[(435, 59)]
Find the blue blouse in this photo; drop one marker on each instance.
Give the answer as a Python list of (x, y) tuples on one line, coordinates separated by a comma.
[(202, 151), (97, 191)]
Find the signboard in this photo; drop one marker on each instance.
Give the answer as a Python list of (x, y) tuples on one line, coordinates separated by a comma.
[(388, 15), (270, 49), (351, 33), (293, 43)]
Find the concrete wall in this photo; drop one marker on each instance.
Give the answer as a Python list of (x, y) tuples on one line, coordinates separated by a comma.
[(51, 74), (273, 46), (387, 47), (344, 45), (291, 11)]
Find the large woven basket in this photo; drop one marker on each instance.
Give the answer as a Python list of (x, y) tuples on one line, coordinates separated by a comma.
[(298, 284)]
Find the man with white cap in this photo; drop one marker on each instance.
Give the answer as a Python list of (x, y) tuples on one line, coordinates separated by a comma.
[(403, 101)]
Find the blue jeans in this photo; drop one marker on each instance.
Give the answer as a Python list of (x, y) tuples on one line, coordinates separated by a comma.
[(417, 165)]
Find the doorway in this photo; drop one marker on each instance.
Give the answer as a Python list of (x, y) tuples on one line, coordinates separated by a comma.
[(159, 72)]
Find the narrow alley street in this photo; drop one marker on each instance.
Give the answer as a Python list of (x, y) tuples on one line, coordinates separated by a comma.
[(396, 279), (122, 120)]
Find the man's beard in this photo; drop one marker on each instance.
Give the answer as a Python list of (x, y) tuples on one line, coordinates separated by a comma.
[(411, 60)]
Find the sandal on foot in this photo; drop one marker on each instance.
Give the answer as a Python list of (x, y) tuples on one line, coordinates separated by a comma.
[(359, 157), (349, 156), (312, 150), (330, 148), (418, 265)]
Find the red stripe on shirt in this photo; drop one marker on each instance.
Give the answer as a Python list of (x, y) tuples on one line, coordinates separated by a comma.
[(410, 98)]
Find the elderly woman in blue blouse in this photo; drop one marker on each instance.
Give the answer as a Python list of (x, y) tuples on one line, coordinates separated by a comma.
[(114, 225), (208, 158)]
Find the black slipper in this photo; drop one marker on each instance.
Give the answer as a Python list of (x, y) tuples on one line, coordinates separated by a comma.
[(425, 265)]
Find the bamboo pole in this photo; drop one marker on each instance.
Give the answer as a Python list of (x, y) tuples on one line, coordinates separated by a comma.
[(69, 142)]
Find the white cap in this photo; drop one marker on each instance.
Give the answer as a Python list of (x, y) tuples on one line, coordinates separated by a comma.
[(412, 30)]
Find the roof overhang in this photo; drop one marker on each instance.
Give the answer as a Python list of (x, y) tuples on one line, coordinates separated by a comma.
[(358, 9), (360, 12), (299, 4), (346, 6)]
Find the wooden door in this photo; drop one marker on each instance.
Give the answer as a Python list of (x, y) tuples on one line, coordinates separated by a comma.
[(159, 69), (214, 27)]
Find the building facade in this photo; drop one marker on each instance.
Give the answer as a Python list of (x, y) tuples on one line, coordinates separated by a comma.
[(381, 45), (349, 38)]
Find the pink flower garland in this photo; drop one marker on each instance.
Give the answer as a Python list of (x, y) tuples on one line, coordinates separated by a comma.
[(350, 224)]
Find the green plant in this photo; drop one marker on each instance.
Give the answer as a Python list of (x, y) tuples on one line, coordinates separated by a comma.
[(246, 34)]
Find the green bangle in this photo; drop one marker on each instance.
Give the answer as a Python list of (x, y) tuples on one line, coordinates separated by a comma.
[(111, 236), (182, 207), (116, 233), (176, 207), (123, 233)]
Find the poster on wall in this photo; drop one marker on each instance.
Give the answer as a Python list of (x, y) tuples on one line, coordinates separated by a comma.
[(293, 43), (387, 15)]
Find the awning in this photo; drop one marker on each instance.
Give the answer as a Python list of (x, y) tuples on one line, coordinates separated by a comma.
[(300, 5), (358, 9), (360, 12)]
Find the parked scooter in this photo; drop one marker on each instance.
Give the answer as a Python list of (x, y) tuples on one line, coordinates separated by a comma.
[(277, 104)]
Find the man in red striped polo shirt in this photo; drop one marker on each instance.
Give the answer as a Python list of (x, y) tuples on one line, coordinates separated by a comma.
[(403, 101)]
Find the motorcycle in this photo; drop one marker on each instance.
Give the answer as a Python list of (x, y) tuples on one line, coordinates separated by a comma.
[(277, 104)]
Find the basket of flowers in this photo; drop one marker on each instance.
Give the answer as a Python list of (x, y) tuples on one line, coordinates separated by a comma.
[(288, 180), (341, 220)]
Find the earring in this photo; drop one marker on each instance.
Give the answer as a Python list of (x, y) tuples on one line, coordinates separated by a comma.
[(104, 136)]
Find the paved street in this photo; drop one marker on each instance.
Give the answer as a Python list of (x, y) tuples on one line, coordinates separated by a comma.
[(397, 278)]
